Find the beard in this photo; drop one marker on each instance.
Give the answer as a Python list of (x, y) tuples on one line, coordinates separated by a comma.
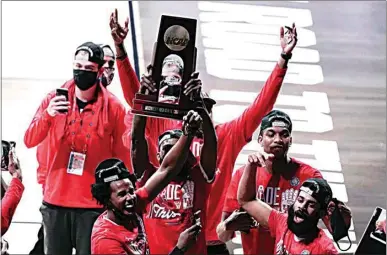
[(307, 229), (123, 215)]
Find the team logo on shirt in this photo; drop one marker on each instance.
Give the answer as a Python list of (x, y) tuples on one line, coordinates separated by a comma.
[(289, 196), (188, 194), (294, 181), (305, 252), (171, 203)]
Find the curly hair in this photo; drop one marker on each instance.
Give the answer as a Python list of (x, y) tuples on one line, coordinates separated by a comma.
[(102, 191)]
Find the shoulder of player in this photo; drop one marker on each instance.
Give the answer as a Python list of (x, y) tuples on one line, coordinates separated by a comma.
[(115, 103), (101, 227), (304, 168), (280, 217), (113, 98), (237, 173)]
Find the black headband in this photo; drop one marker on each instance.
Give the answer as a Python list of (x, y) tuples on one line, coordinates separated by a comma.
[(176, 133)]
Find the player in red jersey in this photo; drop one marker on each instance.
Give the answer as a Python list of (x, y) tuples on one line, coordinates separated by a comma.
[(232, 135), (277, 184), (296, 232), (120, 229), (174, 208)]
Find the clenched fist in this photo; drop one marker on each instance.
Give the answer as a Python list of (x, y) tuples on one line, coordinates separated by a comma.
[(192, 122)]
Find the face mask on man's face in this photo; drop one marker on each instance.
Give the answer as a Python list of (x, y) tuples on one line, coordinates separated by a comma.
[(84, 79), (107, 77)]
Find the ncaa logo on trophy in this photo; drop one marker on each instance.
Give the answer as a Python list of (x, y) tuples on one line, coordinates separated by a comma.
[(173, 61), (176, 38)]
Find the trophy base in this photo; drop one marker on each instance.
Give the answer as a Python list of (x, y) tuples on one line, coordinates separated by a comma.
[(144, 105)]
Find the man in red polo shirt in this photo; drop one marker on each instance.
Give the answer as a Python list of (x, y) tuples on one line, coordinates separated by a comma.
[(232, 135), (88, 133)]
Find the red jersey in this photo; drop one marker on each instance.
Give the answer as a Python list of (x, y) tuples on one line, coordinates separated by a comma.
[(96, 132), (279, 192), (232, 137), (285, 242), (108, 237), (171, 212), (9, 203)]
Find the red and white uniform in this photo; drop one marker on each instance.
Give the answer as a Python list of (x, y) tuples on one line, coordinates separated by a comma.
[(279, 192), (171, 212), (286, 243), (108, 237), (232, 136)]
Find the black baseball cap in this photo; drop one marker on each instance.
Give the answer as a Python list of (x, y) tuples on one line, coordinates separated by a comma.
[(95, 52), (276, 118), (111, 170), (319, 189), (107, 50)]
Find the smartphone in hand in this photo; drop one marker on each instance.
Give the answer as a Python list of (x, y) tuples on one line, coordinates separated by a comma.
[(6, 148), (196, 218), (63, 92)]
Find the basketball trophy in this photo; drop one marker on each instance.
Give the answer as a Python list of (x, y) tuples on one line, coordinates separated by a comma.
[(174, 61)]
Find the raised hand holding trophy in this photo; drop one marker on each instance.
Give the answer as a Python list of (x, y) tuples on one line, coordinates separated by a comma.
[(174, 61)]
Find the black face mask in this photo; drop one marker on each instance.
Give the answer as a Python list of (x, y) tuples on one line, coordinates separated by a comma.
[(339, 229), (106, 81), (307, 229), (84, 79), (107, 78)]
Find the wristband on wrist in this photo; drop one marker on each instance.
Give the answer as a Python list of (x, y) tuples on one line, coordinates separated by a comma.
[(122, 49), (286, 56)]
